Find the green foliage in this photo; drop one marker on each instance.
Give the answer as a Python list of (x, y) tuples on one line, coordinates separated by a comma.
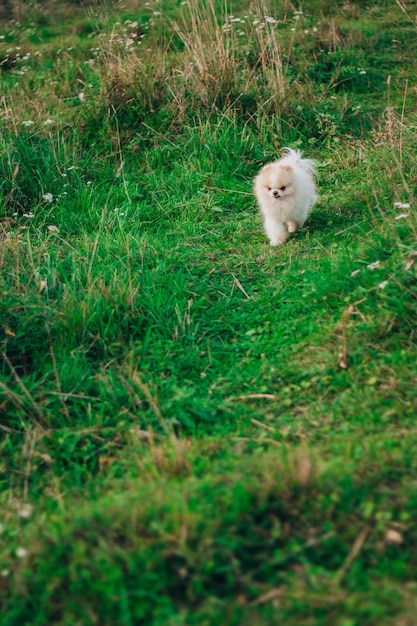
[(197, 428)]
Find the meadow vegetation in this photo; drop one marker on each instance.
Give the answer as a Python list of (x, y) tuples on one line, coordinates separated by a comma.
[(195, 427)]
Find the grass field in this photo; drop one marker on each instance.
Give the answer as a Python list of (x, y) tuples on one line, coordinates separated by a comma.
[(196, 427)]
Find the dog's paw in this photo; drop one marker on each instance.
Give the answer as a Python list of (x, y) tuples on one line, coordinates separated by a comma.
[(292, 226), (277, 241)]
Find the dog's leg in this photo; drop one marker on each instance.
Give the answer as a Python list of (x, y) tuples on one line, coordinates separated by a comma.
[(277, 233), (292, 226)]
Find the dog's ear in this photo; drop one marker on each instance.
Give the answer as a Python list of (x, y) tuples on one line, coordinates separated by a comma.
[(287, 168), (266, 167)]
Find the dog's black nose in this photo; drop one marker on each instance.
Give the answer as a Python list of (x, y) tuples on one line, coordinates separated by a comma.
[(275, 193)]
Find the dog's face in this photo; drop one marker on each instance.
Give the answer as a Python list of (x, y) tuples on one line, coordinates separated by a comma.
[(277, 181)]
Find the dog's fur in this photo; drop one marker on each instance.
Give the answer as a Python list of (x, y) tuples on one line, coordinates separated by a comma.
[(286, 193)]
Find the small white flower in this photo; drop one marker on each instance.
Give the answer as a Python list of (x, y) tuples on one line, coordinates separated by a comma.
[(28, 215), (402, 216), (28, 123), (361, 71), (270, 20), (48, 197), (21, 553), (383, 284), (373, 266), (25, 511), (53, 229), (255, 22), (314, 29), (81, 96), (48, 122), (402, 205), (354, 273), (157, 12)]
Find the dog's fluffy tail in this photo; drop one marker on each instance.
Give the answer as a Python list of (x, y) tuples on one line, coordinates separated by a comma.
[(295, 157)]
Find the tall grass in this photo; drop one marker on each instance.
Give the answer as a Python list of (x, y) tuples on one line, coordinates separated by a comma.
[(197, 428)]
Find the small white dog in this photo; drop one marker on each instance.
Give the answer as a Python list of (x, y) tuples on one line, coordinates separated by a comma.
[(286, 193)]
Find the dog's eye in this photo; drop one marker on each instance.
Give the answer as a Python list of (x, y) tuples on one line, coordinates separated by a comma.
[(283, 188), (269, 188)]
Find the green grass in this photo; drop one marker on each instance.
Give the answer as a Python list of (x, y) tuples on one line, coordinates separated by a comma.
[(195, 427)]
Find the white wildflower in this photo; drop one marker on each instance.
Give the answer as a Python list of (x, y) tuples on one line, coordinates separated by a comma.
[(373, 266), (402, 205), (383, 284), (270, 20), (25, 511), (28, 123), (28, 215), (402, 216), (81, 96), (48, 197), (53, 229), (21, 552), (354, 273), (48, 122)]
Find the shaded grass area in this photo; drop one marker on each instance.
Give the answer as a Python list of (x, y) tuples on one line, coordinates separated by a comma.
[(197, 428)]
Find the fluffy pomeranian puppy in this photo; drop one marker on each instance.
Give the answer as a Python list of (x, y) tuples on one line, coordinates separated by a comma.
[(286, 193)]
